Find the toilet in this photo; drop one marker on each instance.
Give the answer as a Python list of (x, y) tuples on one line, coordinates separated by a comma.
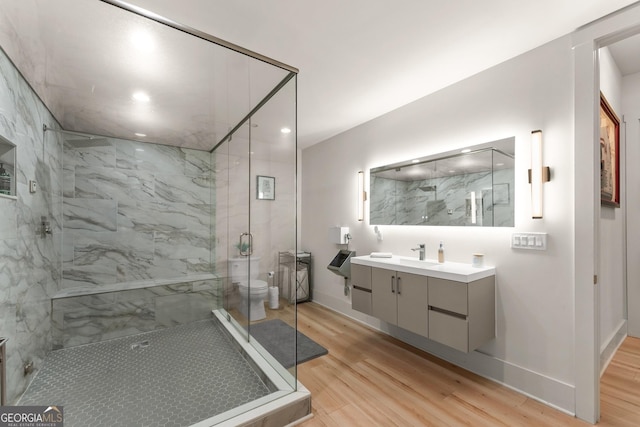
[(250, 288)]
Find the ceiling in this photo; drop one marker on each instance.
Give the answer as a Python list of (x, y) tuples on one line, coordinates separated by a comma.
[(626, 54), (358, 59)]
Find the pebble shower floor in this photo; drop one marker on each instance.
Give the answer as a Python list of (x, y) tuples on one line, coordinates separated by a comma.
[(171, 377)]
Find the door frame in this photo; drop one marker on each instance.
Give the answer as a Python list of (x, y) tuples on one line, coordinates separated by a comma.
[(585, 43)]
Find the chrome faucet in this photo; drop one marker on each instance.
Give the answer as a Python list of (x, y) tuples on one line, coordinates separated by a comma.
[(421, 249)]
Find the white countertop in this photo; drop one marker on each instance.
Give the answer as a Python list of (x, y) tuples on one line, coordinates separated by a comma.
[(456, 271)]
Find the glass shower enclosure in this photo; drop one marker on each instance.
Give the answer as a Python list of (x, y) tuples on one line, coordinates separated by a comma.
[(178, 160)]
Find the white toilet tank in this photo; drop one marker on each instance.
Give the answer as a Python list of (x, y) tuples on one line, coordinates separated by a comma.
[(238, 268)]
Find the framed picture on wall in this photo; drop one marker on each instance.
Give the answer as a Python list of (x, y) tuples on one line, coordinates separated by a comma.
[(609, 155), (265, 188)]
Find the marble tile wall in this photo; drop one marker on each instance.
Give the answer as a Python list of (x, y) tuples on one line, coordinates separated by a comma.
[(87, 319), (404, 203), (30, 264), (134, 211)]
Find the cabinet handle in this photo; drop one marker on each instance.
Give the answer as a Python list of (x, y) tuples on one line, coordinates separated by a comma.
[(393, 289), (398, 285)]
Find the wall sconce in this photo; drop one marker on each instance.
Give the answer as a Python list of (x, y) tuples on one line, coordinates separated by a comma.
[(538, 174), (362, 196)]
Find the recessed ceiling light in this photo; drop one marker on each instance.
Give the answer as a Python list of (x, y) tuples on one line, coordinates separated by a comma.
[(415, 161), (139, 149), (285, 130), (466, 150), (451, 171), (140, 97), (141, 135), (142, 40), (499, 164)]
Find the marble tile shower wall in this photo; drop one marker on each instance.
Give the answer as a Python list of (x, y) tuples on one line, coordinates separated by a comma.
[(85, 319), (134, 211), (30, 265)]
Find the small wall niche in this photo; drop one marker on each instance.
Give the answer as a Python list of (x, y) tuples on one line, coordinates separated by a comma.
[(8, 169)]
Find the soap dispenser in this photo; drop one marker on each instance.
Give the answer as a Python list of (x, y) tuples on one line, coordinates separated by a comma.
[(441, 253)]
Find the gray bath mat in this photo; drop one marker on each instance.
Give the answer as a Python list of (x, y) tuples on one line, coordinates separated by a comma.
[(277, 338)]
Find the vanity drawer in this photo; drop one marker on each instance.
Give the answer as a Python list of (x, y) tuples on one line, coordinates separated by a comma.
[(449, 330), (448, 295), (361, 276), (361, 300)]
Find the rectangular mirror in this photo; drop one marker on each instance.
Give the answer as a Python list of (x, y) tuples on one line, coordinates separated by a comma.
[(470, 187)]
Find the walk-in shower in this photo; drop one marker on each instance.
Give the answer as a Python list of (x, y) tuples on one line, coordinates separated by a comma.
[(148, 141)]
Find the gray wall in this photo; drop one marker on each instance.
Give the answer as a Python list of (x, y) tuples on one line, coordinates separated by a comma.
[(30, 267)]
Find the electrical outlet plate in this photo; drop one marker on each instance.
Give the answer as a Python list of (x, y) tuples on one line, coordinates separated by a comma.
[(32, 186), (533, 241)]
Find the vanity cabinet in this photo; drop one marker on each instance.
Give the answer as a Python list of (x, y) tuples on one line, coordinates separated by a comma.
[(400, 298), (462, 315), (361, 288), (453, 304)]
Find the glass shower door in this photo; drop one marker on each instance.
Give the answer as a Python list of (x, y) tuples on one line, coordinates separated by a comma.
[(255, 173), (273, 225)]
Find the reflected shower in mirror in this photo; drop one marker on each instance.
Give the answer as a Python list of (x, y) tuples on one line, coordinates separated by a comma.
[(470, 187)]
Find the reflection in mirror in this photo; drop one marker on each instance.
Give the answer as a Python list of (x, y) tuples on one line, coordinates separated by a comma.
[(7, 168), (472, 187)]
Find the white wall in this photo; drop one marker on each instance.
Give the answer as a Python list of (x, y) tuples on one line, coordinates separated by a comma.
[(612, 230), (631, 111), (534, 347)]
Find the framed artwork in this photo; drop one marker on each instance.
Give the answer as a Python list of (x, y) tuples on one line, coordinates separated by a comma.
[(265, 188), (609, 155)]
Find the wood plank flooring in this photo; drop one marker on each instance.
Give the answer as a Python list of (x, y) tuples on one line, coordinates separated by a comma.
[(371, 379)]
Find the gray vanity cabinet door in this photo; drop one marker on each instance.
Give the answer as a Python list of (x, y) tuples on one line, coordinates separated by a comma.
[(449, 330), (462, 315), (383, 295), (448, 295), (411, 291), (448, 321), (361, 288)]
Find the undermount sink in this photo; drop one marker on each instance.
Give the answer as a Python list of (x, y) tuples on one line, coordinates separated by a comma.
[(417, 262)]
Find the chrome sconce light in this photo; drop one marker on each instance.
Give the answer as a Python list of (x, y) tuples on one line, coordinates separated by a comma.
[(362, 196), (538, 174)]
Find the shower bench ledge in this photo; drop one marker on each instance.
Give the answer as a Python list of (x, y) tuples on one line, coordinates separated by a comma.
[(126, 286)]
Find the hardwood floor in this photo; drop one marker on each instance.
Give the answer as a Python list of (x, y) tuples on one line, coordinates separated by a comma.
[(620, 387), (371, 379)]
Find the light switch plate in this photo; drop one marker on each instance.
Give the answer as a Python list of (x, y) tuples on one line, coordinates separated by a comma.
[(32, 186), (533, 241)]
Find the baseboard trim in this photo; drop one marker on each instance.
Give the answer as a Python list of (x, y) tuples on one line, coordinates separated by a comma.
[(550, 391), (608, 350)]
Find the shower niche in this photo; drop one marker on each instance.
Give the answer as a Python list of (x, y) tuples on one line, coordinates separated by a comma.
[(7, 169)]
